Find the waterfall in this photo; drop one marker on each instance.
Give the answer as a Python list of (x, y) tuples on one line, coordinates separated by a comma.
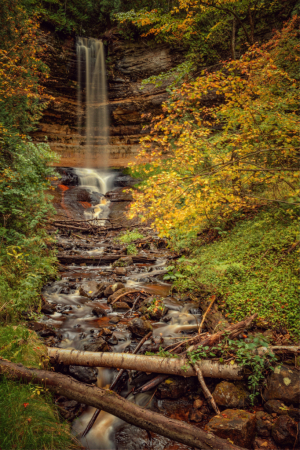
[(92, 85)]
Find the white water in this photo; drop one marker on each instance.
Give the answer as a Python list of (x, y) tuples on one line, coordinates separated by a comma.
[(92, 85)]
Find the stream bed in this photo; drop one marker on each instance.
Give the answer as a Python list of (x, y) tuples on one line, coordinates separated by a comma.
[(79, 308)]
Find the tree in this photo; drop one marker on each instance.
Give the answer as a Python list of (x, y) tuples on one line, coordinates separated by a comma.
[(227, 141)]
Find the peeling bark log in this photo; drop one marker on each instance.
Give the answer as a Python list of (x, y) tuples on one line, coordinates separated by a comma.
[(112, 403), (99, 260), (156, 364)]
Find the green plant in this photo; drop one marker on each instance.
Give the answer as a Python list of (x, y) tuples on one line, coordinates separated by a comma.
[(129, 236), (131, 249), (163, 354), (155, 305), (244, 353)]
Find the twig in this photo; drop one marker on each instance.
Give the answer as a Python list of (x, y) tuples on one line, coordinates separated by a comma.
[(123, 295), (133, 306), (205, 388), (206, 312), (112, 386)]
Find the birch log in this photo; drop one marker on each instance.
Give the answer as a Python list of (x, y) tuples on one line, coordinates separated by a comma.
[(149, 364)]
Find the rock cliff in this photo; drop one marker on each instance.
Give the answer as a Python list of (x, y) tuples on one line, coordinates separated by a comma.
[(128, 64)]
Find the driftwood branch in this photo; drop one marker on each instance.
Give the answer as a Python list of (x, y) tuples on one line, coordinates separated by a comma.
[(112, 403), (156, 364), (206, 312), (205, 388)]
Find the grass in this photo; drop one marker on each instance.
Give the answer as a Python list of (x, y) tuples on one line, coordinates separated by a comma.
[(253, 268), (28, 417)]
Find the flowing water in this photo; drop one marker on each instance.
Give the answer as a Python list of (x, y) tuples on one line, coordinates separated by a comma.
[(74, 313), (92, 87)]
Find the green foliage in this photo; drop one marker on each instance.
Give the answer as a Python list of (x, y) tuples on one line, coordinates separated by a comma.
[(203, 29), (130, 236), (21, 345), (254, 268), (245, 354), (163, 354), (29, 420), (131, 249)]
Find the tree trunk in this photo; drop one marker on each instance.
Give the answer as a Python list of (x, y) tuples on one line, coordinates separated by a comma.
[(112, 403), (156, 364), (99, 260)]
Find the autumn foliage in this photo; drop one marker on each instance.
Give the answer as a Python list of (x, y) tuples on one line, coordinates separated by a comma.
[(227, 141)]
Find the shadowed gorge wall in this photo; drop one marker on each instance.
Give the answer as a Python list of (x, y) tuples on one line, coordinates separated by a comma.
[(127, 65)]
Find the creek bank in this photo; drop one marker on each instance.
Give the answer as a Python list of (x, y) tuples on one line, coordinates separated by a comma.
[(81, 308)]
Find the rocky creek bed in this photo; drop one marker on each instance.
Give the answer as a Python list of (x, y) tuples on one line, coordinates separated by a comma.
[(107, 301)]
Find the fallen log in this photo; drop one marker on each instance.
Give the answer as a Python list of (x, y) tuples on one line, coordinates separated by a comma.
[(112, 403), (231, 332), (99, 261), (149, 364)]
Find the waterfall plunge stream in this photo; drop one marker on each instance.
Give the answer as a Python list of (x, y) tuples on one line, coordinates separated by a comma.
[(92, 85)]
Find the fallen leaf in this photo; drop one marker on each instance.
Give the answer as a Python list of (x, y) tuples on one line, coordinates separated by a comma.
[(25, 405)]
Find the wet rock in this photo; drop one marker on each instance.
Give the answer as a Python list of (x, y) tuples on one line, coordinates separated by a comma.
[(83, 195), (196, 416), (100, 345), (119, 292), (294, 413), (105, 332), (120, 271), (69, 409), (112, 289), (41, 329), (261, 444), (236, 425), (140, 326), (113, 340), (284, 432), (115, 320), (92, 289), (124, 261), (108, 291), (263, 424), (99, 312), (120, 306), (283, 384), (48, 308), (276, 406), (230, 395), (198, 403), (175, 387), (84, 374)]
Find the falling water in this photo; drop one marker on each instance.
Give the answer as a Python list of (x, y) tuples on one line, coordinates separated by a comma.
[(92, 83)]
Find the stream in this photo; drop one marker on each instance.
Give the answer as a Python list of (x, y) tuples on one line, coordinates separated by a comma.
[(77, 307)]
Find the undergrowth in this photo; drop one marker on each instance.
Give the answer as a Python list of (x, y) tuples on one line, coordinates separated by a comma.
[(130, 236), (253, 268), (28, 418)]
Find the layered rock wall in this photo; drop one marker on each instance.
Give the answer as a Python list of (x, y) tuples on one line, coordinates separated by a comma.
[(128, 65)]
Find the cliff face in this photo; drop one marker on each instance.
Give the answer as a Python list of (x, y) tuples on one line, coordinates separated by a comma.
[(128, 65)]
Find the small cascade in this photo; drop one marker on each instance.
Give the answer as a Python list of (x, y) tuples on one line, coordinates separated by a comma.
[(96, 181), (92, 85)]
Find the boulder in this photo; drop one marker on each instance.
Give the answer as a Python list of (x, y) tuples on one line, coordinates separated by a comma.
[(100, 345), (198, 403), (276, 406), (236, 425), (115, 320), (283, 384), (294, 413), (84, 374), (140, 326), (99, 312), (120, 271), (91, 289), (120, 306), (124, 261), (263, 424), (175, 387), (284, 432), (261, 444), (120, 291), (48, 308), (105, 332), (231, 395), (196, 416)]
